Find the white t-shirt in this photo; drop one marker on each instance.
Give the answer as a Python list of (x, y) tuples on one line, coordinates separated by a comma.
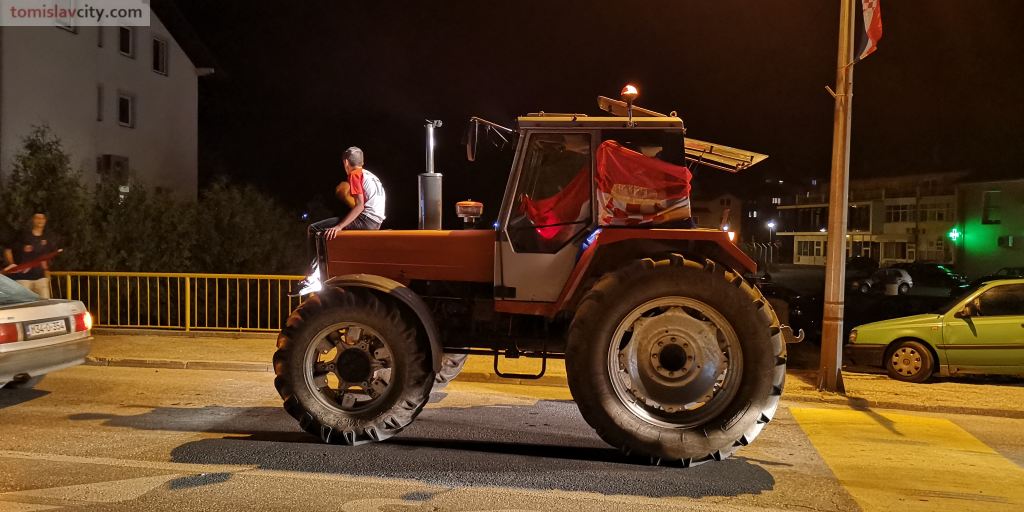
[(373, 201)]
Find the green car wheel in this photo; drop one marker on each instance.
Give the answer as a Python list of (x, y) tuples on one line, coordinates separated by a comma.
[(910, 361)]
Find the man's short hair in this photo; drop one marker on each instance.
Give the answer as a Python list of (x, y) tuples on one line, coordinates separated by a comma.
[(354, 156)]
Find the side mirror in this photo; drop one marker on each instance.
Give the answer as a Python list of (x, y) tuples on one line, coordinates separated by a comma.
[(496, 134), (963, 313), (472, 136)]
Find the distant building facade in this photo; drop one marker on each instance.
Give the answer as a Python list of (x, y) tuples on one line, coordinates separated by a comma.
[(719, 211), (892, 220), (123, 100), (990, 228)]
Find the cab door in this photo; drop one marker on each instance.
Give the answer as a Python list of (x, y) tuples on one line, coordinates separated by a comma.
[(548, 209), (991, 334)]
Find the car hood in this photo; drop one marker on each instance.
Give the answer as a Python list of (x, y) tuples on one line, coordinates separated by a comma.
[(925, 320)]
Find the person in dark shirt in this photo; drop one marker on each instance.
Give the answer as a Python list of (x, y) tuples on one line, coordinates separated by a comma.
[(30, 245)]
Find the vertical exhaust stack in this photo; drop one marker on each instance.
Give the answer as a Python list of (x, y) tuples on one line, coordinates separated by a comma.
[(430, 185)]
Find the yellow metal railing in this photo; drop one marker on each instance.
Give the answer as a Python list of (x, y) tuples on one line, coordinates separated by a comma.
[(183, 302)]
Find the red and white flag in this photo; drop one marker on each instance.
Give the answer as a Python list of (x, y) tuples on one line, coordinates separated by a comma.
[(869, 30)]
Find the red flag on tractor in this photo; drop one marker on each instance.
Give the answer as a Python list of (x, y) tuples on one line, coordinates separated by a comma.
[(869, 29)]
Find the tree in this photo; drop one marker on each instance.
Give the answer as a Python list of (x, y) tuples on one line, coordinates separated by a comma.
[(140, 231), (242, 230), (42, 180)]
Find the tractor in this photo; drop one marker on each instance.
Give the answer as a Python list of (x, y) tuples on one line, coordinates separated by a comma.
[(671, 354)]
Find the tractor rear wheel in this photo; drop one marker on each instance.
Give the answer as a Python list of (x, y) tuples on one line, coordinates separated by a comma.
[(350, 368), (676, 360)]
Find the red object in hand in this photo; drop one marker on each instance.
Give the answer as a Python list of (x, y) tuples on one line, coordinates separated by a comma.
[(24, 267)]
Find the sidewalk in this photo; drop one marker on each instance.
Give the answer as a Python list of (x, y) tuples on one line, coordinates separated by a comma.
[(981, 396)]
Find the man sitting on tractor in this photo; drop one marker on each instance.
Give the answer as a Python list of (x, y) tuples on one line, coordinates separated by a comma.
[(365, 197)]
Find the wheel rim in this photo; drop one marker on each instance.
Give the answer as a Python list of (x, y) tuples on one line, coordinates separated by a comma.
[(349, 367), (907, 361), (675, 362)]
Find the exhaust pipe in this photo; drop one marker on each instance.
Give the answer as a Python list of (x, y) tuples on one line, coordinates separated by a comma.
[(430, 185)]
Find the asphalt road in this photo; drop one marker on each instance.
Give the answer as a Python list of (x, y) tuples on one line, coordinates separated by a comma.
[(109, 438)]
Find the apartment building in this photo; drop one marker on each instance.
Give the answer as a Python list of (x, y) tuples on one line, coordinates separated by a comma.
[(891, 219), (123, 100)]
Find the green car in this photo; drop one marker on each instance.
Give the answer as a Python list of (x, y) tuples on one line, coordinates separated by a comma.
[(981, 332)]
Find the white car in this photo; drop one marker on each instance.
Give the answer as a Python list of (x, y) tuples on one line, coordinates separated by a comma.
[(39, 336), (877, 281)]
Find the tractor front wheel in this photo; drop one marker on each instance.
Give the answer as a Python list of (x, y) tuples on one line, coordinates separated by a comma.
[(350, 368), (676, 360)]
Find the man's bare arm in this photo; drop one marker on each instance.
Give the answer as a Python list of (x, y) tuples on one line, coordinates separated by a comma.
[(9, 258)]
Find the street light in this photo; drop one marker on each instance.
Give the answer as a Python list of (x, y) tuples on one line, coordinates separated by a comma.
[(771, 245)]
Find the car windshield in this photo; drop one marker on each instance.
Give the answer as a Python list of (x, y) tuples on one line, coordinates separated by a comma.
[(954, 299), (14, 293)]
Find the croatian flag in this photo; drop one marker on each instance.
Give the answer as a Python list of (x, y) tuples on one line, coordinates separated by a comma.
[(869, 30)]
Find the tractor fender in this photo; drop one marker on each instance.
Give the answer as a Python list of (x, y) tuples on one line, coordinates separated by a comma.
[(608, 248), (407, 298)]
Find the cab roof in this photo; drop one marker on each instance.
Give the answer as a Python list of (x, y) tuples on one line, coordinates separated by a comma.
[(542, 120)]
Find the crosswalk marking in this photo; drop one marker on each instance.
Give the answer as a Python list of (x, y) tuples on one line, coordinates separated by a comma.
[(889, 461)]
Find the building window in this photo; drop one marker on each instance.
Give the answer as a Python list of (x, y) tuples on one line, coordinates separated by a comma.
[(126, 41), (776, 200), (805, 248), (126, 110), (899, 213), (752, 214), (160, 56), (895, 250), (99, 102), (935, 212), (990, 207)]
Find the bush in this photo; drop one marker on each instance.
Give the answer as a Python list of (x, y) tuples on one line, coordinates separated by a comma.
[(242, 230)]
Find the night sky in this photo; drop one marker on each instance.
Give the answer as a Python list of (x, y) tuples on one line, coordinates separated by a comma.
[(298, 82)]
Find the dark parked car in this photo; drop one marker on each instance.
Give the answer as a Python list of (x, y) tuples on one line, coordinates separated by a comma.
[(935, 279), (860, 267), (1003, 273), (797, 310)]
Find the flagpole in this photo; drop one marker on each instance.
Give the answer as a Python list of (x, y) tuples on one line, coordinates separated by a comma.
[(830, 376)]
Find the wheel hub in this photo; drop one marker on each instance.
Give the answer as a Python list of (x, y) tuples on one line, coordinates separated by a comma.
[(350, 367), (906, 361), (673, 359), (353, 365)]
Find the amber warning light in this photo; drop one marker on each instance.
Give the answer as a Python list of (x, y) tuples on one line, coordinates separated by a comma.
[(469, 211)]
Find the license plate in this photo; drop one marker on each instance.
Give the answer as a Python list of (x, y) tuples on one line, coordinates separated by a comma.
[(46, 328)]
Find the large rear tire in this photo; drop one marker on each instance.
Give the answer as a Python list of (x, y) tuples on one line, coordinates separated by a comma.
[(676, 360), (350, 368)]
